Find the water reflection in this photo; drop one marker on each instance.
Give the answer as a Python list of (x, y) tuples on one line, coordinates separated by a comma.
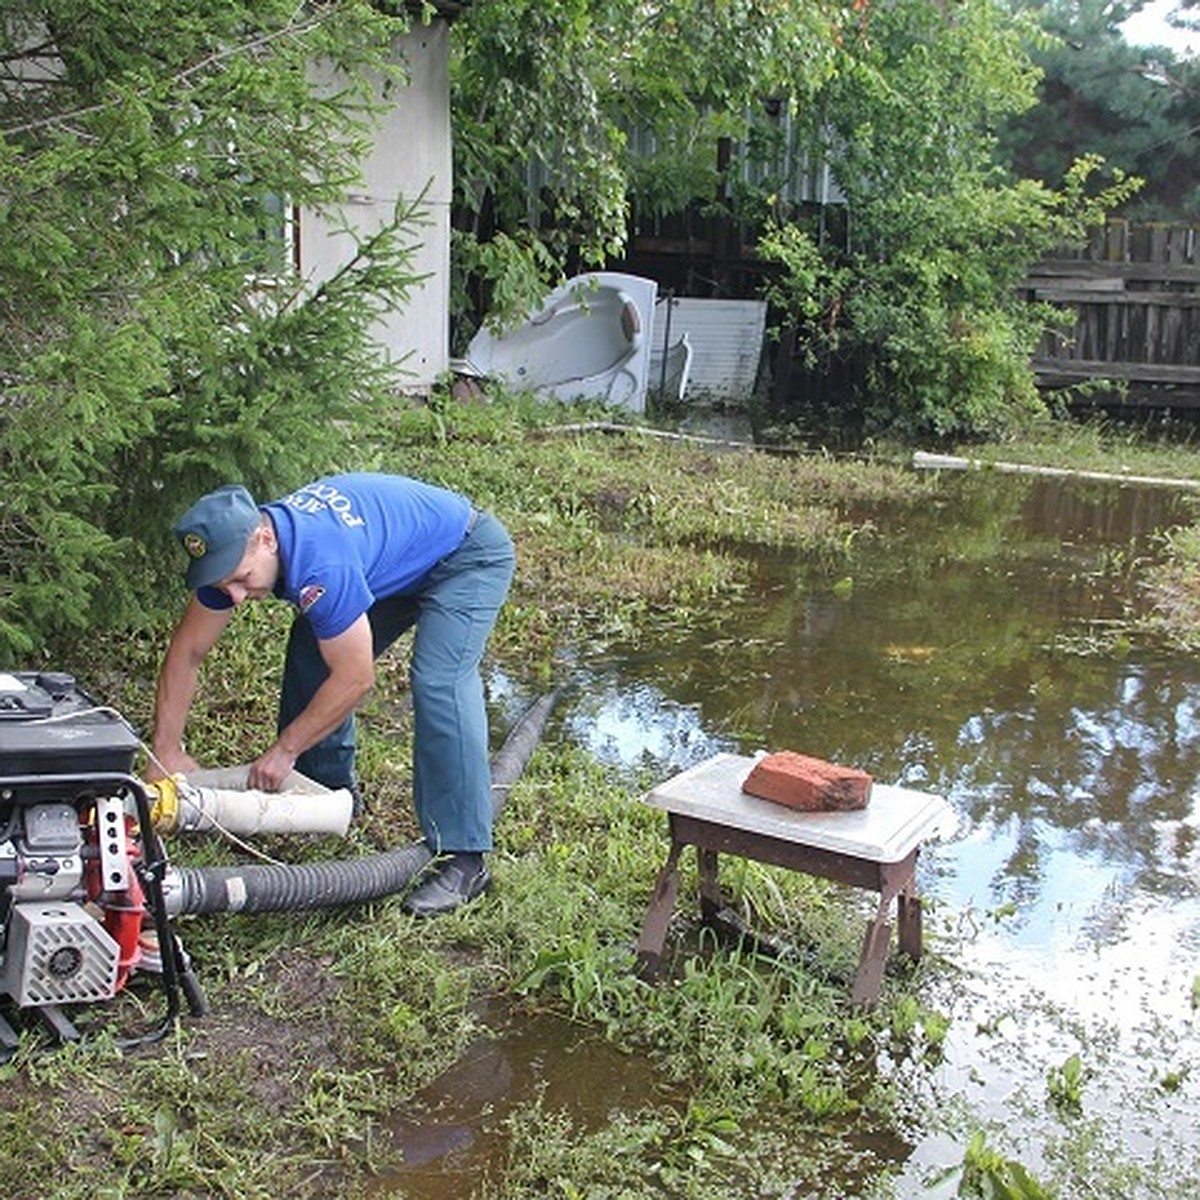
[(459, 1120), (961, 652), (639, 725), (938, 659)]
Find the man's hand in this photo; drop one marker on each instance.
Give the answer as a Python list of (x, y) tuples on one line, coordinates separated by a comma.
[(166, 763), (269, 770)]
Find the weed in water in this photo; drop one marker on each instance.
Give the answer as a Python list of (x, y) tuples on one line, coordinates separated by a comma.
[(1065, 1083), (1172, 1081), (989, 1175)]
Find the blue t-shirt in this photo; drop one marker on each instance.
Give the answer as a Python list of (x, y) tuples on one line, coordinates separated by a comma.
[(347, 540)]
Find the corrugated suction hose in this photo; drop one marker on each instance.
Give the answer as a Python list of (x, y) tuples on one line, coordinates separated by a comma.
[(286, 887), (295, 887)]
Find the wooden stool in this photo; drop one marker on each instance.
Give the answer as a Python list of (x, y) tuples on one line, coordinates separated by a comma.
[(875, 848)]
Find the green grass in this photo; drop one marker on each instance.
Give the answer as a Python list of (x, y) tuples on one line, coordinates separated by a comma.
[(323, 1026), (1167, 452)]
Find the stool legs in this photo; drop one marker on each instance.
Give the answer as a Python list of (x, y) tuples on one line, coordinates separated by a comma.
[(711, 901), (653, 937), (898, 883), (873, 959), (908, 922), (894, 881)]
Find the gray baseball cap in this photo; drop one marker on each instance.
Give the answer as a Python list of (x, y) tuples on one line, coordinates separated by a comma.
[(215, 532)]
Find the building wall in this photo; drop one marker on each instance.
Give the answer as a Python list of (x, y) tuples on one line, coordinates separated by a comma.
[(411, 155)]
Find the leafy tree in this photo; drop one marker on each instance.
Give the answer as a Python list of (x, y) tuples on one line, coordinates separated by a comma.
[(152, 339), (565, 110), (925, 293), (1136, 106)]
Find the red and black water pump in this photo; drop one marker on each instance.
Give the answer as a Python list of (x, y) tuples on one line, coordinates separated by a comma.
[(81, 866), (87, 896)]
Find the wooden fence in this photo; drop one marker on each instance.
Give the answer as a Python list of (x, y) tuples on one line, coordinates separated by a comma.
[(1136, 293)]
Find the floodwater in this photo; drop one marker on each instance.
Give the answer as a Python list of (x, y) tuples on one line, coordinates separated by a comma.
[(968, 650)]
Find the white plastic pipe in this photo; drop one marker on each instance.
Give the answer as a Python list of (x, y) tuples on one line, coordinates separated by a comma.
[(219, 798), (250, 812)]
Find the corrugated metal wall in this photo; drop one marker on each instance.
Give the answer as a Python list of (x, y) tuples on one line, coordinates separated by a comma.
[(727, 342)]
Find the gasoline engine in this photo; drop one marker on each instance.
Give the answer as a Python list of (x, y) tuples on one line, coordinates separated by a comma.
[(87, 896), (81, 868)]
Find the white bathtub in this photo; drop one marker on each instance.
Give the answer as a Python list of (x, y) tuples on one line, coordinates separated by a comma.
[(590, 340)]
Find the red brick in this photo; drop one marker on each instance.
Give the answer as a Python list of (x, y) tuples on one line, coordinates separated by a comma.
[(809, 784)]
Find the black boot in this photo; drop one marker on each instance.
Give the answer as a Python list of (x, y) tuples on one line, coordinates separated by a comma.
[(451, 882)]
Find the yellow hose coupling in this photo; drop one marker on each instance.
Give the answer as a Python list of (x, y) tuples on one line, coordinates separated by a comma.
[(164, 803)]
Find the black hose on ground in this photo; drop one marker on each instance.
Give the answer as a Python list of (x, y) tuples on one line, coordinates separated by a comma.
[(266, 887)]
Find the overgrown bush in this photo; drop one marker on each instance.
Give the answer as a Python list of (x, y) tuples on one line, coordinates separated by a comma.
[(925, 293), (153, 341)]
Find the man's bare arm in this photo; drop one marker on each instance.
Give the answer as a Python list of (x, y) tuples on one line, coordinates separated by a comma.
[(351, 662), (194, 636)]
